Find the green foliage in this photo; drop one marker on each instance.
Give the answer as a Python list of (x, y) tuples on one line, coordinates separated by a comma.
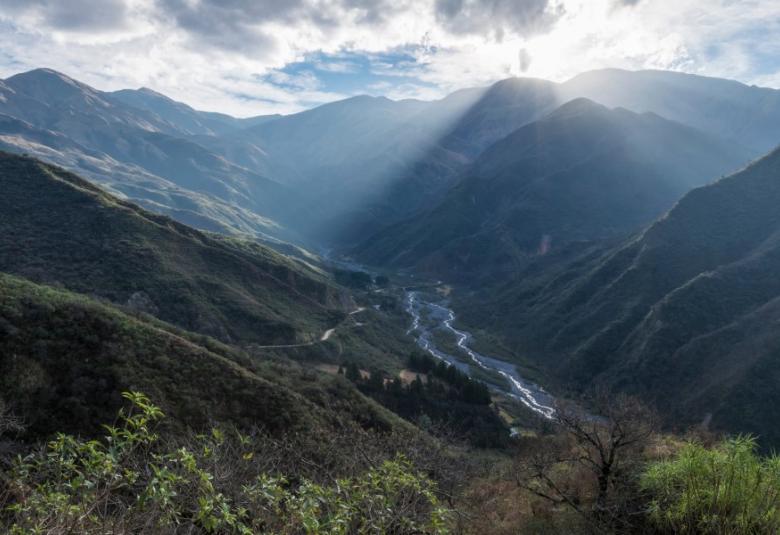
[(131, 481), (60, 230), (353, 372), (65, 360), (448, 397), (728, 489), (353, 279), (379, 502), (466, 388)]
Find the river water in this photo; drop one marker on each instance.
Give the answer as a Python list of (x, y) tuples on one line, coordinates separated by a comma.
[(428, 316)]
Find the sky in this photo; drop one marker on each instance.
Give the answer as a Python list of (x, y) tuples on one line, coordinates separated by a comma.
[(253, 57)]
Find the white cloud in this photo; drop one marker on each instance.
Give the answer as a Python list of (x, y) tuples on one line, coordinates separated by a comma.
[(226, 54)]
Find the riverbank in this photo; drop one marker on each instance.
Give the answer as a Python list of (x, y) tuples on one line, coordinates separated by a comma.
[(428, 315)]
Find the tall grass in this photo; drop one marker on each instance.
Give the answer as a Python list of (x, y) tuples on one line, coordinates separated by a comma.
[(728, 489)]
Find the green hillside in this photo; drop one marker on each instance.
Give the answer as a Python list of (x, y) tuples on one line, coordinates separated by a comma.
[(66, 359), (684, 314), (58, 229)]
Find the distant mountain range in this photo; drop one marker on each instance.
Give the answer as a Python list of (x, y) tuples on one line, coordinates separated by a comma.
[(339, 173), (143, 152), (582, 172)]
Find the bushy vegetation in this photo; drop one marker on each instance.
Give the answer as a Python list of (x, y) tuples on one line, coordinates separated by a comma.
[(608, 475), (132, 481), (359, 280), (440, 398), (462, 387), (66, 358), (726, 489)]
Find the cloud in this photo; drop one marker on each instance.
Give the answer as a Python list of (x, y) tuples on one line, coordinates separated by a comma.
[(234, 25), (302, 81), (250, 57), (497, 17), (71, 15), (335, 66)]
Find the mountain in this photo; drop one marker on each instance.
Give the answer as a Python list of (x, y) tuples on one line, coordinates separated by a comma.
[(57, 102), (339, 173), (59, 229), (67, 358), (498, 111), (583, 172), (182, 117), (349, 157), (432, 148), (150, 158), (684, 314), (747, 115), (332, 134)]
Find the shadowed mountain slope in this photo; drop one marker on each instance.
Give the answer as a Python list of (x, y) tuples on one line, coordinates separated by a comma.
[(583, 172), (747, 115), (345, 170), (684, 314)]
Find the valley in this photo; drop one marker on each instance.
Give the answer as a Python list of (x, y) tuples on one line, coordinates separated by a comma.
[(516, 308), (438, 317)]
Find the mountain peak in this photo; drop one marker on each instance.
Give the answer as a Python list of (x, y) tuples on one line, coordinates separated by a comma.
[(47, 85), (578, 106), (510, 88), (44, 74), (152, 93), (522, 81)]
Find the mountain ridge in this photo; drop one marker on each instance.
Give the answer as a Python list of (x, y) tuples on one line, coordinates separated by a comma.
[(582, 172), (92, 242), (682, 314)]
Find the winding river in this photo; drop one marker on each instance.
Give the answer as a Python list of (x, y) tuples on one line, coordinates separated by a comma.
[(428, 316)]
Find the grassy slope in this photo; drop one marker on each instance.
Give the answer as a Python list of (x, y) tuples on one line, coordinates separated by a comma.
[(59, 229), (66, 358)]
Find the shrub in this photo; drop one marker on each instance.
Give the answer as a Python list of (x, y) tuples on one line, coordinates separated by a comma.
[(133, 482), (724, 490)]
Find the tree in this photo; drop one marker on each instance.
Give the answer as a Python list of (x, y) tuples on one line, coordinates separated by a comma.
[(606, 446), (376, 381), (416, 387), (353, 372), (396, 387)]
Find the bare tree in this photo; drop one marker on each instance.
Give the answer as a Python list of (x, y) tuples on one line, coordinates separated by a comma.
[(604, 445)]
